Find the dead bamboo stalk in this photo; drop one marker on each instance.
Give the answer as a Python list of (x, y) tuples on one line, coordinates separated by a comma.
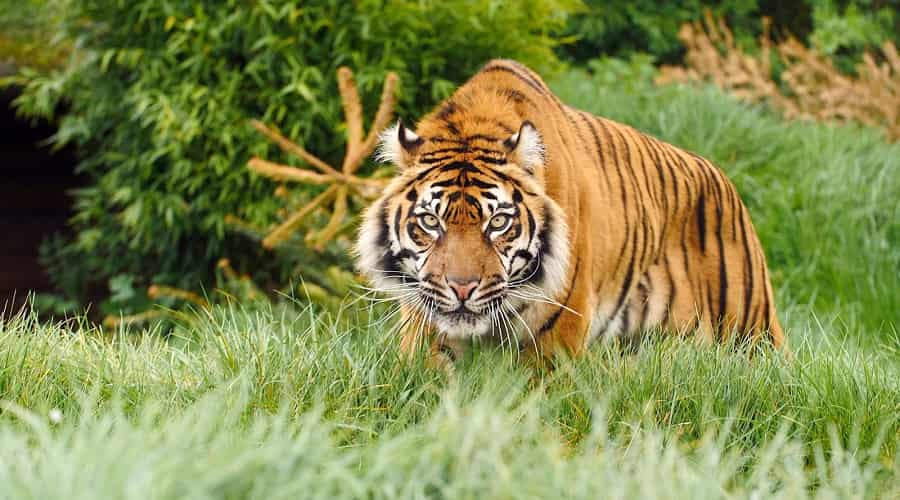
[(293, 148), (284, 230)]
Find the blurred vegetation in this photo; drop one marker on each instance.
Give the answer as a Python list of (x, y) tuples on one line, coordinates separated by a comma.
[(841, 29), (798, 81), (28, 35), (160, 94)]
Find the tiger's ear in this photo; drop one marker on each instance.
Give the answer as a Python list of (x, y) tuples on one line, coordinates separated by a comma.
[(526, 148), (398, 145)]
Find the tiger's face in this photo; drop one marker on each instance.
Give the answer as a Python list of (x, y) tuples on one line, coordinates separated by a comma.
[(466, 235)]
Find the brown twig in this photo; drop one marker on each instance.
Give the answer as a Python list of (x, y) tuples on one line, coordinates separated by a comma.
[(284, 230), (343, 183), (293, 148), (157, 291)]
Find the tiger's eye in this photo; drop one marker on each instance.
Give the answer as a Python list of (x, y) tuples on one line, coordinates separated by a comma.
[(428, 221), (498, 221)]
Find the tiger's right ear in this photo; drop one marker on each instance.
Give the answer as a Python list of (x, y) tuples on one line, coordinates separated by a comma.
[(398, 145)]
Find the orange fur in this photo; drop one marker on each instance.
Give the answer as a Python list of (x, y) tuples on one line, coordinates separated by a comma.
[(654, 236)]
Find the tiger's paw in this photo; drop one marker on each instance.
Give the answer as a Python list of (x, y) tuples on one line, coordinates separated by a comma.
[(444, 355), (441, 361)]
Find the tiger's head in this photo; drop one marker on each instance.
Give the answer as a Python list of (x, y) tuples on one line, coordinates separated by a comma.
[(465, 229)]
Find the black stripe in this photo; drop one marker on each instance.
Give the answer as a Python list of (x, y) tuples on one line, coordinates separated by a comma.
[(445, 112), (453, 181), (599, 158), (625, 210), (723, 270), (397, 215), (626, 321), (516, 96), (491, 160), (482, 137), (748, 270), (383, 229), (435, 159), (516, 74), (701, 222), (481, 184), (709, 306), (626, 287)]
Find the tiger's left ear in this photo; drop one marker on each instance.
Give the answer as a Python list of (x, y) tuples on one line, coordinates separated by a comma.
[(398, 145), (526, 148)]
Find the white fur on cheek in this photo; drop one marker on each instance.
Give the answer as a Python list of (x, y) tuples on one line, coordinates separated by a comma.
[(368, 253), (556, 265)]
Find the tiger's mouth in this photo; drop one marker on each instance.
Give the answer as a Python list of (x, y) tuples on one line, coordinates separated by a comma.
[(462, 311), (468, 320)]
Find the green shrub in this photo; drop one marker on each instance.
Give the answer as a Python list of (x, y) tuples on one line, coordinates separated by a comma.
[(843, 29), (26, 33), (158, 96), (623, 27)]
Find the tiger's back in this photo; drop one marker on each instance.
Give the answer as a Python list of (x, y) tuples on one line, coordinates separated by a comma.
[(655, 237)]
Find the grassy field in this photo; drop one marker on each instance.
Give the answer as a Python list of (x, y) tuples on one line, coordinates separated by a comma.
[(282, 401)]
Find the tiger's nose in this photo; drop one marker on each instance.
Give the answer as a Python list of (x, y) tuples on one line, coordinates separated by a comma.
[(463, 288)]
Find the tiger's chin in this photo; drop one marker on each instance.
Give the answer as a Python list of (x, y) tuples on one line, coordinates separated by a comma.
[(462, 325)]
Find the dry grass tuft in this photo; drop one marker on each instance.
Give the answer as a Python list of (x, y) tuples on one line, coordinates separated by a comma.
[(809, 87)]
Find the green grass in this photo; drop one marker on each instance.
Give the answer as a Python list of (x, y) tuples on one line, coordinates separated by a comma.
[(279, 401), (272, 402)]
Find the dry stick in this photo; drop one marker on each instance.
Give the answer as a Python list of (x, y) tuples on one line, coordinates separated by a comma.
[(383, 116), (337, 217), (352, 109), (294, 148), (281, 172), (342, 182), (285, 229), (157, 291), (112, 321)]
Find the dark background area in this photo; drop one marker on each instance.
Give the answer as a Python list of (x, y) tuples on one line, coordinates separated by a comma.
[(33, 200)]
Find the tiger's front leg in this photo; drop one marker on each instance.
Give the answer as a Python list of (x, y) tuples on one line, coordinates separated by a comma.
[(565, 328), (417, 334), (568, 336)]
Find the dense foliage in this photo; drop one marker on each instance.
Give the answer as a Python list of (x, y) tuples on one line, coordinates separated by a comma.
[(27, 35), (159, 95), (841, 28)]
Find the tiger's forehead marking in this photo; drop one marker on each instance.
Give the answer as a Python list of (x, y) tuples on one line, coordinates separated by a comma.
[(461, 191)]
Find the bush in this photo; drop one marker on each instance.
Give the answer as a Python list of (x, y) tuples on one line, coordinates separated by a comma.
[(26, 34), (842, 29), (159, 95)]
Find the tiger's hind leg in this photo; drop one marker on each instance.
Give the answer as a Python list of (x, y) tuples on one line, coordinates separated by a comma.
[(665, 300)]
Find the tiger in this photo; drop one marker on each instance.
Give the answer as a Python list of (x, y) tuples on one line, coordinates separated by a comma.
[(515, 217)]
